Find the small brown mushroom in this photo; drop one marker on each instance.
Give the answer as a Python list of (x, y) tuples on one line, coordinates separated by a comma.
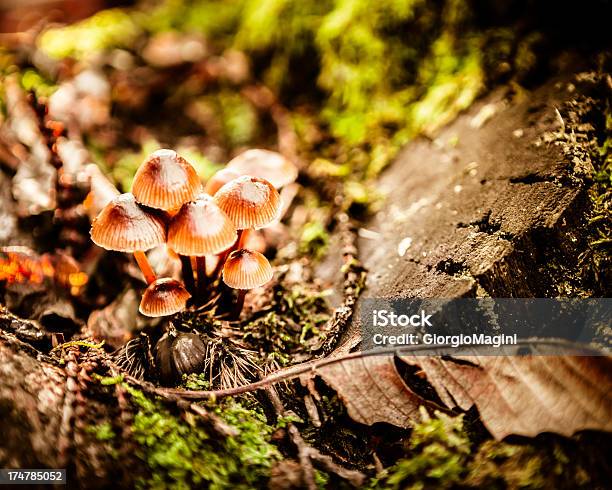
[(218, 180), (250, 202), (201, 228), (124, 226), (163, 297), (265, 164), (244, 270), (165, 181)]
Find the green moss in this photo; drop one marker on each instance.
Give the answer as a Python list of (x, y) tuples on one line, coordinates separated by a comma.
[(322, 167), (196, 382), (542, 464), (321, 479), (180, 453), (215, 18), (238, 116), (438, 452), (32, 80), (102, 432), (453, 81), (314, 239), (601, 190), (291, 324)]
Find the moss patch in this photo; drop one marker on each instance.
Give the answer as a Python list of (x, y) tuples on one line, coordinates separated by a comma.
[(289, 327), (438, 452), (180, 452)]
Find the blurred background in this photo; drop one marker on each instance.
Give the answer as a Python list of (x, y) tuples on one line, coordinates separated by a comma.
[(21, 15), (337, 85)]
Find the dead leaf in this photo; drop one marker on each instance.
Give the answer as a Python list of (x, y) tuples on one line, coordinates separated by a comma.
[(523, 395), (373, 391), (528, 395)]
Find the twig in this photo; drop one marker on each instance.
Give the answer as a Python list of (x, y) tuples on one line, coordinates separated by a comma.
[(326, 463), (303, 449), (308, 455), (311, 367), (354, 282), (311, 409), (76, 343)]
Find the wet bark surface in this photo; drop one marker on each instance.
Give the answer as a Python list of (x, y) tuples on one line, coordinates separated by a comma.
[(487, 208)]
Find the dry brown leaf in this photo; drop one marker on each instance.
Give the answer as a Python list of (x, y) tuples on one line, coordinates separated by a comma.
[(528, 395), (373, 391), (524, 395)]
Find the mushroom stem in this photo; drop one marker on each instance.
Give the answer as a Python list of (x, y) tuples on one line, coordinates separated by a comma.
[(219, 267), (239, 303), (187, 271), (145, 266), (223, 255), (201, 273), (242, 236)]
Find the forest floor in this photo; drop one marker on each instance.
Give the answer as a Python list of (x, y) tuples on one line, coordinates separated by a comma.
[(497, 203)]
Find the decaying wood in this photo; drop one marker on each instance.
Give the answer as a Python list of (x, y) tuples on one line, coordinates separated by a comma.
[(43, 419), (481, 210), (354, 282)]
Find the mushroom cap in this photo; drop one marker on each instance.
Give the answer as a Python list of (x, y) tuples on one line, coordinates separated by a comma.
[(218, 180), (250, 202), (245, 269), (165, 180), (265, 164), (163, 297), (201, 228), (124, 226)]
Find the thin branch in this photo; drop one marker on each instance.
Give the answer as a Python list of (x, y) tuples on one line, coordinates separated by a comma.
[(311, 367), (303, 449)]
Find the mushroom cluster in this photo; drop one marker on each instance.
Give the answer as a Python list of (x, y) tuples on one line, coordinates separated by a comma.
[(168, 206)]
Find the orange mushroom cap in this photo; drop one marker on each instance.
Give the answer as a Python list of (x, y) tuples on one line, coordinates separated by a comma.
[(163, 297), (250, 202), (201, 228), (218, 180), (245, 269), (165, 181), (124, 226), (265, 164)]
